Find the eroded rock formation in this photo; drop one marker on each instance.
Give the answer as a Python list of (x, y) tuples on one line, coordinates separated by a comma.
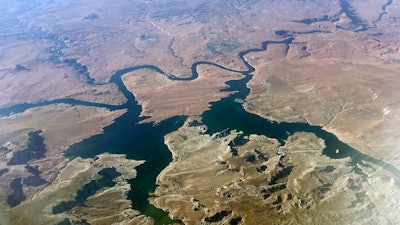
[(231, 178)]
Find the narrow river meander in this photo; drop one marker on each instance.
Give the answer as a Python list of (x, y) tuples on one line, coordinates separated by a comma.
[(146, 141)]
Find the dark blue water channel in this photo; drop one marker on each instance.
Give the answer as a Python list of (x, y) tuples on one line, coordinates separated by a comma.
[(146, 141)]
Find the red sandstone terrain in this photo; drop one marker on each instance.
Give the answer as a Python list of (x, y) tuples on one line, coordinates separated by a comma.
[(340, 71)]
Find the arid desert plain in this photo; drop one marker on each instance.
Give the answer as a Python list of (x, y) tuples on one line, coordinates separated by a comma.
[(199, 112)]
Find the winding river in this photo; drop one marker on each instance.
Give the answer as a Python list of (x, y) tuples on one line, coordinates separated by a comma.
[(146, 141)]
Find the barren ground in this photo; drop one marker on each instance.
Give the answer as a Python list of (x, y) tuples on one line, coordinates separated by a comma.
[(340, 71), (265, 183)]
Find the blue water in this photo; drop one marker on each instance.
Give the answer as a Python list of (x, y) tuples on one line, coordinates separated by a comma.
[(146, 141)]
